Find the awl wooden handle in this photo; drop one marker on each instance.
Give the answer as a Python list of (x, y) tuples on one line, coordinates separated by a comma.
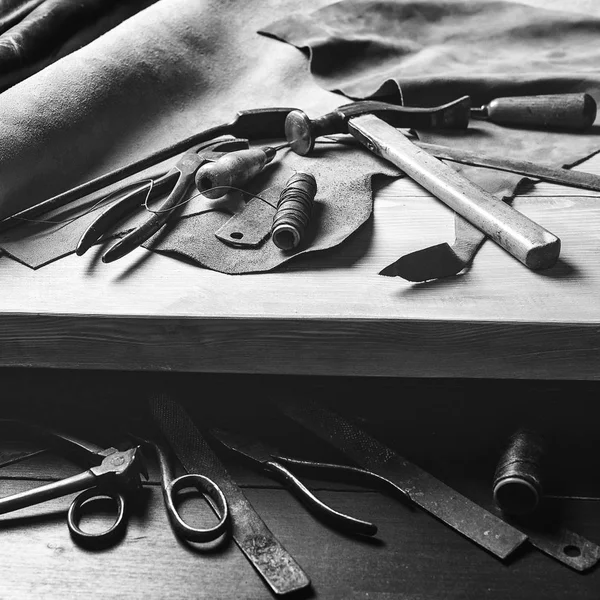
[(527, 241), (574, 112)]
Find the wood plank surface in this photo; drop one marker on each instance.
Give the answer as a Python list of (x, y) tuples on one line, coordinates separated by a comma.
[(329, 313)]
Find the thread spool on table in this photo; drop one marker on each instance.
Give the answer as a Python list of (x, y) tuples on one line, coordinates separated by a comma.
[(294, 211), (518, 477)]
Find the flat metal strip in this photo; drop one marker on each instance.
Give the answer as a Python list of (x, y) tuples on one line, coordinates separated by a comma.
[(273, 562), (457, 511)]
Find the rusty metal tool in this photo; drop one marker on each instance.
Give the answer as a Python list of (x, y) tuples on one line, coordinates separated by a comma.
[(266, 554), (466, 517), (561, 176), (258, 454), (177, 180), (111, 473), (572, 112)]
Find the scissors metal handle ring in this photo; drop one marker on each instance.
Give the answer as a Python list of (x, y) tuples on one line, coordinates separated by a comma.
[(205, 486), (96, 538)]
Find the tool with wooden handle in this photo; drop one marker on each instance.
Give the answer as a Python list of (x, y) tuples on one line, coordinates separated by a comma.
[(235, 169), (574, 112), (527, 241)]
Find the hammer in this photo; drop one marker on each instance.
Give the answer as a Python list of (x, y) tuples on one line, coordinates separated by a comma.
[(524, 239)]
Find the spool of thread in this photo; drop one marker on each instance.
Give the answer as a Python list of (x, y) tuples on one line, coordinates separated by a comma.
[(518, 476), (293, 211)]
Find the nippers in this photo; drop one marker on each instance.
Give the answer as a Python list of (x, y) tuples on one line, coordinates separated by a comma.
[(179, 180), (278, 466)]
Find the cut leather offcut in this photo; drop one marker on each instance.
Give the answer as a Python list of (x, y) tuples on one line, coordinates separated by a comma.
[(344, 201)]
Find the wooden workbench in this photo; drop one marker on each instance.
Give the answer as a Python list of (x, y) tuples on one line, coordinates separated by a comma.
[(429, 363), (328, 313)]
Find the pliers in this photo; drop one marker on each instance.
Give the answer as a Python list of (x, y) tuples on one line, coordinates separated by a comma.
[(110, 473), (179, 179), (278, 466)]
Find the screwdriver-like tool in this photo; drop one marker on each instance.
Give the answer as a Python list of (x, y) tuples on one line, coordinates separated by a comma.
[(574, 112), (233, 170)]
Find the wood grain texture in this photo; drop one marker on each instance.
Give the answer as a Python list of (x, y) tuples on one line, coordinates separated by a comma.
[(328, 313), (415, 556)]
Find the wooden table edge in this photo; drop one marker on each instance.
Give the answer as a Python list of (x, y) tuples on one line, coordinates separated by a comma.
[(303, 346)]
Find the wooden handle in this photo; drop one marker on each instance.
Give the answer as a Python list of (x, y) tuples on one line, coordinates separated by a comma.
[(555, 111), (527, 241), (232, 170)]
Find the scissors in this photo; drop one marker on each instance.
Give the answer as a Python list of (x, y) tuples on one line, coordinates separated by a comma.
[(116, 475), (278, 466), (178, 180)]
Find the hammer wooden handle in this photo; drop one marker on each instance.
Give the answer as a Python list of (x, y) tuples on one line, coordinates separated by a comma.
[(527, 241)]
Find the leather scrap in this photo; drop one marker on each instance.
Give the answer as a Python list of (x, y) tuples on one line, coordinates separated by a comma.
[(344, 201), (421, 52), (250, 227)]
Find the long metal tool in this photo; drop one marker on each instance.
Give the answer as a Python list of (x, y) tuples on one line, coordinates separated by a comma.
[(578, 179), (527, 241), (466, 517), (272, 561)]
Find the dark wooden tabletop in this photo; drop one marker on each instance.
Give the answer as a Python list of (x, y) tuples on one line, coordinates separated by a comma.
[(453, 428)]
